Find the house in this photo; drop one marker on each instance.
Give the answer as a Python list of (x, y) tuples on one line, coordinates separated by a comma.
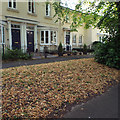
[(30, 26)]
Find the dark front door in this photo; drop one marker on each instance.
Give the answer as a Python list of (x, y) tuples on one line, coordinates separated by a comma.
[(67, 39), (30, 41), (68, 42), (16, 44)]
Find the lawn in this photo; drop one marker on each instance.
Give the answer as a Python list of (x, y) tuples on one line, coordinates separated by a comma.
[(44, 89)]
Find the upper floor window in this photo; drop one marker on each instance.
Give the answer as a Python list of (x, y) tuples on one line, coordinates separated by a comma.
[(31, 6), (74, 38), (48, 9), (80, 39), (12, 4), (67, 18)]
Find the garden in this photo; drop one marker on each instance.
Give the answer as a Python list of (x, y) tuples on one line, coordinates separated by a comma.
[(46, 90)]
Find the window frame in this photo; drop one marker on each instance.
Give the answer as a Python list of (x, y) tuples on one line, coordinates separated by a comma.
[(31, 8), (67, 18), (2, 32), (12, 4), (100, 38), (49, 37), (49, 9), (74, 39), (80, 39)]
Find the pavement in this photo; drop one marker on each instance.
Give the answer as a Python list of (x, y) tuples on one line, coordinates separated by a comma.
[(38, 60), (105, 106)]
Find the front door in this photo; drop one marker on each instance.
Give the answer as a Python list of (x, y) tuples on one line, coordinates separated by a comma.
[(30, 41), (67, 40), (16, 44)]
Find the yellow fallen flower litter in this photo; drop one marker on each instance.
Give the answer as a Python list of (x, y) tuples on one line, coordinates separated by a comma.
[(38, 90)]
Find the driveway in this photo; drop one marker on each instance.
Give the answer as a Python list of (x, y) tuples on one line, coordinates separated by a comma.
[(41, 61), (104, 106)]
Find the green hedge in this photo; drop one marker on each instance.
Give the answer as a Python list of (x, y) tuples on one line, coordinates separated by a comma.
[(15, 54), (106, 53)]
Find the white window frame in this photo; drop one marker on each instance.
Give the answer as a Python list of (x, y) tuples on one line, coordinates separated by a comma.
[(31, 10), (74, 39), (12, 1), (54, 42), (49, 37), (2, 32), (41, 37), (67, 17), (49, 9), (80, 39), (100, 38)]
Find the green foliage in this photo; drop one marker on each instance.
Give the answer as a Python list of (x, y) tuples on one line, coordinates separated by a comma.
[(107, 54), (60, 50), (15, 54), (74, 52), (85, 49), (106, 17)]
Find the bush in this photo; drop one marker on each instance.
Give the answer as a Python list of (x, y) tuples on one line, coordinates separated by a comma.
[(15, 54), (74, 52), (106, 53), (78, 49), (60, 50), (94, 44), (85, 49), (52, 51)]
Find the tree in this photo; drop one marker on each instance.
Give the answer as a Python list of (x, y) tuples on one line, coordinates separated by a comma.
[(60, 50), (103, 15)]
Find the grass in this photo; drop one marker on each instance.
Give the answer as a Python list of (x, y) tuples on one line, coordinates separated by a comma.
[(37, 91)]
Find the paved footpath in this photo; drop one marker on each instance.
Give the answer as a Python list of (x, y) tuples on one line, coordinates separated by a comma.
[(105, 106), (40, 61)]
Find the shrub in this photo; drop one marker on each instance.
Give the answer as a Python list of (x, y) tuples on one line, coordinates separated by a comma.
[(15, 54), (60, 50), (85, 49), (74, 52), (106, 53)]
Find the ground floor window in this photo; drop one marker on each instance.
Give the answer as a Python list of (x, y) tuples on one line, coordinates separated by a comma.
[(2, 34), (48, 37), (74, 39), (80, 39), (100, 38)]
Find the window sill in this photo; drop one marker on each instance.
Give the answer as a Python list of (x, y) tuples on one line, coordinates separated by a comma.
[(48, 44), (74, 44), (32, 14), (13, 10), (48, 17)]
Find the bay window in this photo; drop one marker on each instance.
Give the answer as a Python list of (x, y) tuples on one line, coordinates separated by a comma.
[(51, 40), (2, 34), (42, 36), (74, 39), (48, 37), (80, 39)]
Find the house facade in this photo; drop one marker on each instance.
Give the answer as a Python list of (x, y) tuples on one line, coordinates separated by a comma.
[(30, 26)]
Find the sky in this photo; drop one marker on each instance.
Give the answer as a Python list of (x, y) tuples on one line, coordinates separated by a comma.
[(71, 3)]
